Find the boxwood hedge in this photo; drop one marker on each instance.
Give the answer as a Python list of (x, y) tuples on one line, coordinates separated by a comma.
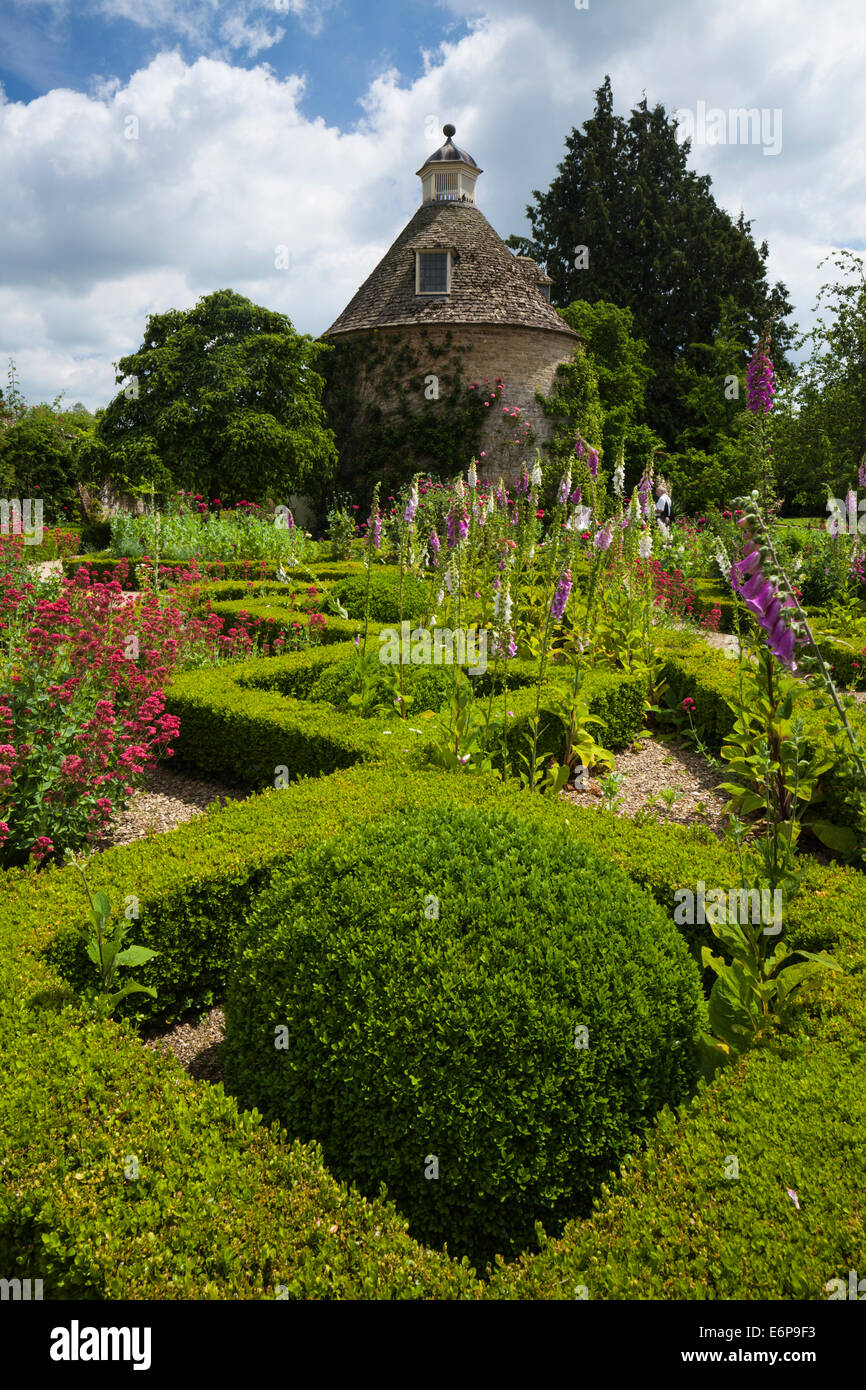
[(670, 1224), (246, 719), (459, 987)]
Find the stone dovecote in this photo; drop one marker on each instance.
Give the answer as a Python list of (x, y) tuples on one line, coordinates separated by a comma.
[(449, 272)]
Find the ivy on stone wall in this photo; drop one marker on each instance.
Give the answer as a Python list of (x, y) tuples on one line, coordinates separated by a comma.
[(433, 425)]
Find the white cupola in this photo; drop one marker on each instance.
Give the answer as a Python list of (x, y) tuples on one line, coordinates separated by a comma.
[(449, 175)]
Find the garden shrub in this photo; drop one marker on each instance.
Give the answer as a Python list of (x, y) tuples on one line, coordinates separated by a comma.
[(671, 1225), (679, 1222), (277, 617), (384, 597), (247, 734), (220, 1205), (244, 720), (453, 1032)]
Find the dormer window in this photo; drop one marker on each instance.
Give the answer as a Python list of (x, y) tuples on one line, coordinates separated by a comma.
[(432, 272), (544, 287)]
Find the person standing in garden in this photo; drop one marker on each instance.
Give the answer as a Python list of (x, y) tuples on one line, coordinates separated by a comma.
[(663, 503)]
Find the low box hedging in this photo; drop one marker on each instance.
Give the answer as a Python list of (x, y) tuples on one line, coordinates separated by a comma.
[(228, 729), (276, 617), (673, 1226), (705, 1211), (124, 1179), (246, 719), (103, 565)]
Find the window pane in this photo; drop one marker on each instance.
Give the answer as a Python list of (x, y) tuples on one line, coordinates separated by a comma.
[(433, 272)]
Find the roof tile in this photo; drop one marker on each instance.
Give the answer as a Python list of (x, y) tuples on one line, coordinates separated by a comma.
[(488, 283)]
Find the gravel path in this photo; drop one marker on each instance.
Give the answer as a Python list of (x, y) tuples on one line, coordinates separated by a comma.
[(165, 800), (195, 1041), (650, 768)]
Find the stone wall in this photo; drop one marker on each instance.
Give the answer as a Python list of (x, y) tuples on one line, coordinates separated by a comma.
[(525, 358)]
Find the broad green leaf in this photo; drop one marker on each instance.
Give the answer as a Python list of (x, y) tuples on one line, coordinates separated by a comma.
[(836, 837), (135, 955)]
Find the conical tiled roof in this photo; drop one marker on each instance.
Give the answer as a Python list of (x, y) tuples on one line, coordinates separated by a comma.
[(488, 283)]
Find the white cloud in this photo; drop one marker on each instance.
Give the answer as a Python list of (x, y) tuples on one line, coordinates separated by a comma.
[(99, 229)]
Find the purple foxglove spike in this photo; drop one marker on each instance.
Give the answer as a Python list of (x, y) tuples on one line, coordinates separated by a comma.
[(753, 586), (771, 615), (765, 595), (780, 627), (756, 608), (785, 648), (748, 564), (560, 598)]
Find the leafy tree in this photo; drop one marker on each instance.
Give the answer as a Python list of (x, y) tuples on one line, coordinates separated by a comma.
[(574, 408), (38, 457), (618, 360), (711, 380), (222, 399), (657, 243), (821, 429)]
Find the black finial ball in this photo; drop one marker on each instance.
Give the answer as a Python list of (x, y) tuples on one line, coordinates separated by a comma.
[(449, 130)]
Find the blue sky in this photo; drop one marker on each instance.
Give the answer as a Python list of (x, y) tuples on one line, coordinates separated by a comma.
[(339, 47), (154, 150)]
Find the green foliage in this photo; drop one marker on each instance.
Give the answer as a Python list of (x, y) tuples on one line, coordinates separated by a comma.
[(124, 1178), (181, 535), (819, 445), (104, 943), (385, 597), (224, 399), (711, 680), (765, 767), (39, 454), (385, 426), (711, 379), (754, 994), (427, 686), (680, 1223), (703, 481), (239, 1193), (341, 527), (466, 732), (574, 408), (624, 190), (617, 358), (455, 1028), (228, 726)]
